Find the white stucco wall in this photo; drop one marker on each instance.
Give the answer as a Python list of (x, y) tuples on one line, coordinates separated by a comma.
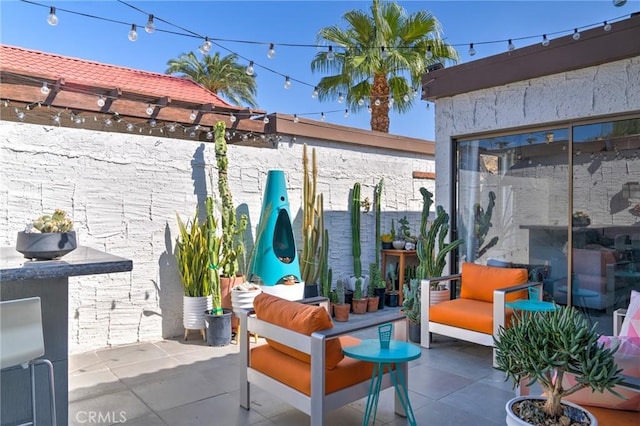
[(610, 88), (123, 192)]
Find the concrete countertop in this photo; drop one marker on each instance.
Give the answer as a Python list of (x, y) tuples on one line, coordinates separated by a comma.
[(82, 261)]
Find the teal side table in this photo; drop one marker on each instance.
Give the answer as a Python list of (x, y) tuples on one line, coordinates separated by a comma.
[(398, 352), (532, 305)]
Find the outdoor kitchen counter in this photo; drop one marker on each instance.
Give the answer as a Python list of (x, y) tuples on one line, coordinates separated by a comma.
[(49, 280)]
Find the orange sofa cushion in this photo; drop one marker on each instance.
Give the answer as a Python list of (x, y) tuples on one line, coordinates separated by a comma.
[(301, 318), (606, 416), (297, 374), (468, 314), (479, 281)]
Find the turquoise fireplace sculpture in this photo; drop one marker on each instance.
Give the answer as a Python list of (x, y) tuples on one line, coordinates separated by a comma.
[(275, 255)]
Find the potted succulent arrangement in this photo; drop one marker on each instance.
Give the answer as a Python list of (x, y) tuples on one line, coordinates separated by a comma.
[(411, 308), (377, 286), (543, 347), (192, 260), (391, 295), (47, 237), (359, 302), (386, 240), (340, 308)]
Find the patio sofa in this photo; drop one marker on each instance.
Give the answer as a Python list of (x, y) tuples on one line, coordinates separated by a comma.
[(475, 316), (302, 362)]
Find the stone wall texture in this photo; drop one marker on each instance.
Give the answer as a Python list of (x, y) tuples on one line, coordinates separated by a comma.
[(124, 191)]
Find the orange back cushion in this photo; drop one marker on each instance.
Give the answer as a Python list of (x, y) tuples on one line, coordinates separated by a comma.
[(301, 318), (479, 281)]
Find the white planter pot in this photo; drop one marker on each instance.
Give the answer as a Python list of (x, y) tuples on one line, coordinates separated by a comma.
[(289, 292), (437, 296), (513, 420), (193, 311), (243, 299)]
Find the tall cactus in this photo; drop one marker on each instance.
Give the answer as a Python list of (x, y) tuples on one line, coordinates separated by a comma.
[(431, 263), (232, 229), (377, 195), (213, 255), (314, 237), (355, 229)]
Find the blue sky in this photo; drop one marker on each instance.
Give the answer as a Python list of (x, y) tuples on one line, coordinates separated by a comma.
[(296, 22)]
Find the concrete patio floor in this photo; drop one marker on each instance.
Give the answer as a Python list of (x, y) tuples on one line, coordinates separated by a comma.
[(181, 383)]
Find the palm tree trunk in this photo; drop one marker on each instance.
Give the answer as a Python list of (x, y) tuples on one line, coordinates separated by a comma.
[(380, 113)]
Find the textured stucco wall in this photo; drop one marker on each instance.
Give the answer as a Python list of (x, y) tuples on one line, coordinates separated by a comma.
[(124, 191), (610, 88)]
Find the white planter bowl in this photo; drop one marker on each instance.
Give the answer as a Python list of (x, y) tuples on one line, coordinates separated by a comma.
[(243, 299), (289, 292), (513, 420), (193, 311), (398, 245)]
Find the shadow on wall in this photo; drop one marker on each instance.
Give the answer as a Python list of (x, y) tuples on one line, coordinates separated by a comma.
[(169, 288), (247, 239)]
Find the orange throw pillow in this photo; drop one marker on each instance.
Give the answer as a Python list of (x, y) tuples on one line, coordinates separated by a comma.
[(479, 281), (301, 318)]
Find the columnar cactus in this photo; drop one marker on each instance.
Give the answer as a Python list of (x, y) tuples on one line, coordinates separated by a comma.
[(214, 240), (355, 229), (377, 195), (340, 292), (232, 229)]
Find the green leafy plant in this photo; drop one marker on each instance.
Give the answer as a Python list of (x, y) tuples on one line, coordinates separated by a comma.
[(375, 277), (357, 293), (192, 257), (405, 229), (392, 231), (355, 230), (432, 262), (377, 199), (57, 222), (411, 301), (543, 347)]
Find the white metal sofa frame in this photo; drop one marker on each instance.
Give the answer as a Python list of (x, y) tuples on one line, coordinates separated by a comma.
[(319, 403), (22, 343), (499, 309)]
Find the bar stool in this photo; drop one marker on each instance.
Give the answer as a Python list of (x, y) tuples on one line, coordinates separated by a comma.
[(22, 343)]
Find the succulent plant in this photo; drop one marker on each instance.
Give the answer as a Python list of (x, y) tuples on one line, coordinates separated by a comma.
[(57, 222), (411, 301), (340, 292)]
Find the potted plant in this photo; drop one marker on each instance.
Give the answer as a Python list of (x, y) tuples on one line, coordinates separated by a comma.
[(373, 298), (411, 308), (391, 295), (47, 237), (192, 260), (340, 308), (432, 263), (544, 346), (386, 240), (377, 286), (359, 302)]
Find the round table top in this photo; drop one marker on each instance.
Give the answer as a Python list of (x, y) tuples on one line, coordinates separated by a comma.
[(370, 350), (532, 305)]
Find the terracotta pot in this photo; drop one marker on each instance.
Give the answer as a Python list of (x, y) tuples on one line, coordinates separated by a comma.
[(359, 306), (341, 312), (372, 304)]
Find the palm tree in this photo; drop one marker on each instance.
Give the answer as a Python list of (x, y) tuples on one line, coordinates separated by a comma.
[(382, 59), (222, 76)]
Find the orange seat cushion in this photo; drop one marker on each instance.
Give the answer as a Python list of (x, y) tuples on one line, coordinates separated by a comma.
[(468, 314), (606, 416), (297, 374), (479, 281), (301, 318)]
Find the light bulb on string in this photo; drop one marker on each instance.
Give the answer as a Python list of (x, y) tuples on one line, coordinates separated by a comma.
[(130, 127), (192, 116), (152, 123), (361, 101), (405, 97), (322, 117), (232, 118), (133, 33), (271, 52), (429, 53), (108, 122), (56, 119), (377, 102), (100, 101), (192, 134), (209, 135), (607, 26), (576, 34), (21, 115), (172, 127), (510, 46), (295, 118), (287, 82), (149, 26), (340, 98), (52, 19), (545, 40), (250, 70), (206, 46), (330, 55), (391, 101), (149, 109), (383, 53), (346, 113), (369, 109), (45, 89), (314, 94), (472, 51), (265, 120)]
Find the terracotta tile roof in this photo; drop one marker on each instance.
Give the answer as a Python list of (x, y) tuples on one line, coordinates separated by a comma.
[(94, 74)]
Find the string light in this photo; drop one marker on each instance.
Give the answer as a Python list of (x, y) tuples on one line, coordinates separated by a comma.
[(361, 101), (340, 98), (545, 40), (133, 33), (150, 27), (330, 55), (405, 97), (250, 70), (346, 113), (153, 123), (314, 94), (271, 52), (429, 53), (391, 101), (149, 109), (205, 47), (510, 46), (100, 101), (52, 19), (295, 118), (472, 51), (232, 118), (130, 127), (265, 120), (607, 26), (369, 109), (192, 116), (377, 102), (322, 117), (383, 53), (287, 82), (45, 89), (576, 34)]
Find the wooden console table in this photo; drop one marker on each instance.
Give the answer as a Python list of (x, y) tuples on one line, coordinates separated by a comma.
[(402, 256)]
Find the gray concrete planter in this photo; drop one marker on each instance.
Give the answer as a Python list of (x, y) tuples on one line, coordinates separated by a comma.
[(46, 246)]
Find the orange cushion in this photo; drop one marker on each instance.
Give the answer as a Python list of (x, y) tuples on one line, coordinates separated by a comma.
[(479, 281), (301, 318), (297, 374), (466, 313), (606, 416)]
